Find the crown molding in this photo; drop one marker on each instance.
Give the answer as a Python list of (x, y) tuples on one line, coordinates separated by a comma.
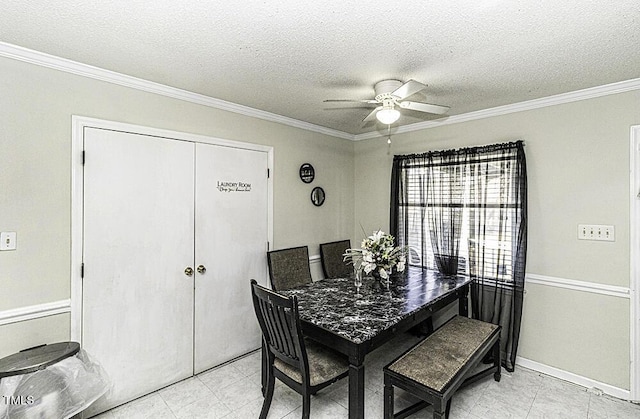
[(62, 64), (584, 94)]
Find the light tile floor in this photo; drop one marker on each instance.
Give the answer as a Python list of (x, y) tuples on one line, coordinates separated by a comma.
[(232, 391)]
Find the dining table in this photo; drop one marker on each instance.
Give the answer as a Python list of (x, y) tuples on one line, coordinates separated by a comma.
[(355, 321)]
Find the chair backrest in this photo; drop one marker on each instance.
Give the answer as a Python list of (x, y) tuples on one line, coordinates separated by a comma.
[(289, 268), (280, 324), (333, 264)]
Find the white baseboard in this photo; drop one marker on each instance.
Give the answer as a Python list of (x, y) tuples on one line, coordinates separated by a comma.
[(574, 378), (34, 312)]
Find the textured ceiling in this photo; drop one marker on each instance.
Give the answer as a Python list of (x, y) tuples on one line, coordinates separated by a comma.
[(287, 57)]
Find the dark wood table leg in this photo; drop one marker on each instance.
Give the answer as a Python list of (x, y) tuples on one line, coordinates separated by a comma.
[(463, 301), (356, 391), (423, 329)]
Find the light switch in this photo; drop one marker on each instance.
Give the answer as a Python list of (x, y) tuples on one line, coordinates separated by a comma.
[(596, 232), (8, 240)]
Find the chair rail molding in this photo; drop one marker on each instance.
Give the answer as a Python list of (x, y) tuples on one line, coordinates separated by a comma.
[(37, 311), (315, 264), (584, 286)]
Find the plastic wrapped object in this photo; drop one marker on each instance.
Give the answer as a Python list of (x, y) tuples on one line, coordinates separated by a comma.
[(49, 381)]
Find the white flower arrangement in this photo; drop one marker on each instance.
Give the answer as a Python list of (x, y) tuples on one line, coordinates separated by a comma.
[(378, 255)]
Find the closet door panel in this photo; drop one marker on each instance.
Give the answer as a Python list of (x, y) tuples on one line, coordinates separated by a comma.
[(138, 240), (231, 243)]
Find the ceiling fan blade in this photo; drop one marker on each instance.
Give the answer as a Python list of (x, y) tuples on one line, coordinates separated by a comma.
[(409, 88), (372, 101), (372, 115), (424, 107)]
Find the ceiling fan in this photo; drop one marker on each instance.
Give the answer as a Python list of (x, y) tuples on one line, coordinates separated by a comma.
[(390, 94)]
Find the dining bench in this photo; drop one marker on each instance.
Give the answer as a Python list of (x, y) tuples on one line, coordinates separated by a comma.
[(436, 367)]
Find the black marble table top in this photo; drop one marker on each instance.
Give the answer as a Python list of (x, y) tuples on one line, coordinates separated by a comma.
[(334, 304)]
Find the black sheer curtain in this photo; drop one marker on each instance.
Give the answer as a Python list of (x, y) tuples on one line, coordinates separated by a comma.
[(465, 211), (445, 199)]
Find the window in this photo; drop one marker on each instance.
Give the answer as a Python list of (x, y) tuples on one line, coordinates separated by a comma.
[(465, 212), (461, 210)]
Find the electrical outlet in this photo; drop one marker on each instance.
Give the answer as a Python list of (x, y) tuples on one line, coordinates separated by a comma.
[(596, 232), (8, 240)]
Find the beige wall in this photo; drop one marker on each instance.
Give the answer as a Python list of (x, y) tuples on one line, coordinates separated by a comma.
[(578, 161), (27, 334), (35, 179), (578, 173)]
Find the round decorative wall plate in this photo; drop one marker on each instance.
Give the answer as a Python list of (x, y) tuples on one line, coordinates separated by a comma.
[(307, 173)]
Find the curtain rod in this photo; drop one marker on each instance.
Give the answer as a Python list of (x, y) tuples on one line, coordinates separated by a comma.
[(465, 150)]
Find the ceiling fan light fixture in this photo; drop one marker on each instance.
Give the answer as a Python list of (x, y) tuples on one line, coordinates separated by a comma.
[(390, 97), (388, 116)]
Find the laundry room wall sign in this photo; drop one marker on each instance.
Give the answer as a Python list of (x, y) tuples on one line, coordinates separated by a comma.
[(224, 186)]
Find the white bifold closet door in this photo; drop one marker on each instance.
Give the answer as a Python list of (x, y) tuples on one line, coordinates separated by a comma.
[(231, 243), (154, 207), (137, 302)]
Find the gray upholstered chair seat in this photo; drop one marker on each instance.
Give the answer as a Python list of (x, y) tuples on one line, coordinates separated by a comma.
[(324, 365)]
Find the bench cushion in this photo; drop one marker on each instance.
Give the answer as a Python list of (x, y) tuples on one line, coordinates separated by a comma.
[(436, 360)]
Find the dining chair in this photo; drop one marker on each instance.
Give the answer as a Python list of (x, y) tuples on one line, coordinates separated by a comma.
[(289, 268), (301, 364), (332, 256)]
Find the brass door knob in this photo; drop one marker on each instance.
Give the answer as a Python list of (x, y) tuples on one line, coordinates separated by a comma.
[(188, 271), (201, 269)]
